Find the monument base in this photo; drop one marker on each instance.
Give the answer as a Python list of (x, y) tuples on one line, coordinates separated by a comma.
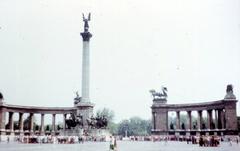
[(72, 132)]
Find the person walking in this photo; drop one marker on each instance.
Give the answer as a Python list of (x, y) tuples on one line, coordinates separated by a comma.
[(113, 144), (111, 147)]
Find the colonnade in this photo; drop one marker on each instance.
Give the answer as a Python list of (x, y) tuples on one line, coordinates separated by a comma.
[(10, 129), (211, 124)]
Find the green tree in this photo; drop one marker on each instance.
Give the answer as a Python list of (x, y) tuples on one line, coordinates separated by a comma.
[(107, 113), (135, 126), (123, 127)]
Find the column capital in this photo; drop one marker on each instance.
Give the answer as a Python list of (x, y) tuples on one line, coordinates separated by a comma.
[(86, 36)]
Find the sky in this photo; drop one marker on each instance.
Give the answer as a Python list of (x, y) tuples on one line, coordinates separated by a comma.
[(190, 46)]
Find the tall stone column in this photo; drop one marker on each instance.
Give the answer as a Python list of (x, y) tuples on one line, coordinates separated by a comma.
[(86, 35), (199, 120), (178, 120), (11, 124), (42, 131), (20, 123), (53, 123), (31, 124), (209, 118), (189, 120)]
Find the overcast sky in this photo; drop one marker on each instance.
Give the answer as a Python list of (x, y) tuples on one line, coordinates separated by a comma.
[(190, 46)]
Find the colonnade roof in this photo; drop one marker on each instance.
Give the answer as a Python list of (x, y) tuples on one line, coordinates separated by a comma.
[(37, 109), (193, 106)]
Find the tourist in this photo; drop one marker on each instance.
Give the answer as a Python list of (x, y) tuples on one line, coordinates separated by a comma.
[(111, 147), (230, 141), (201, 143), (8, 139), (115, 144)]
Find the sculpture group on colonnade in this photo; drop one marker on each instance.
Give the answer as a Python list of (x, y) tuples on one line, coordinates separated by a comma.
[(92, 122)]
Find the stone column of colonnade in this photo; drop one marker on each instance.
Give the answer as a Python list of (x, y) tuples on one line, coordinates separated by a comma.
[(11, 123), (20, 123), (189, 113), (216, 119), (209, 119), (53, 123), (199, 121), (178, 120), (42, 132), (31, 123), (64, 121)]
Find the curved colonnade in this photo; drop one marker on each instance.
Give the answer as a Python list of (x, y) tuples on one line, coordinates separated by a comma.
[(31, 111), (223, 122)]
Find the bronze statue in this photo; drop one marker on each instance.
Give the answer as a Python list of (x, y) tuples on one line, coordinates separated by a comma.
[(229, 88), (1, 96), (161, 95), (229, 92), (77, 99), (86, 26), (74, 120)]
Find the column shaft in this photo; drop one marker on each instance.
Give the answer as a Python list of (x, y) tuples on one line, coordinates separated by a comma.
[(20, 122), (199, 120), (85, 71), (64, 121), (189, 120), (31, 123), (42, 125), (53, 122), (216, 119), (11, 123), (2, 120), (209, 118), (178, 120)]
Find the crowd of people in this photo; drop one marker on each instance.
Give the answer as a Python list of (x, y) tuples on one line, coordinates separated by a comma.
[(207, 141), (53, 139)]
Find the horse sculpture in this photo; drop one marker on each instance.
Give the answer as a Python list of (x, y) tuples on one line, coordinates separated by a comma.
[(1, 96), (73, 121), (161, 95), (98, 122)]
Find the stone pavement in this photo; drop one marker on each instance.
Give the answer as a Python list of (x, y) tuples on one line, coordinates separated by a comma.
[(122, 146)]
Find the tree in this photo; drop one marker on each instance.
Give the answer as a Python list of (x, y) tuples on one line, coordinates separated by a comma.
[(123, 127), (107, 113), (135, 126)]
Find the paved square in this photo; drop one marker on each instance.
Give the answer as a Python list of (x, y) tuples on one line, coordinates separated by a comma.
[(122, 146)]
